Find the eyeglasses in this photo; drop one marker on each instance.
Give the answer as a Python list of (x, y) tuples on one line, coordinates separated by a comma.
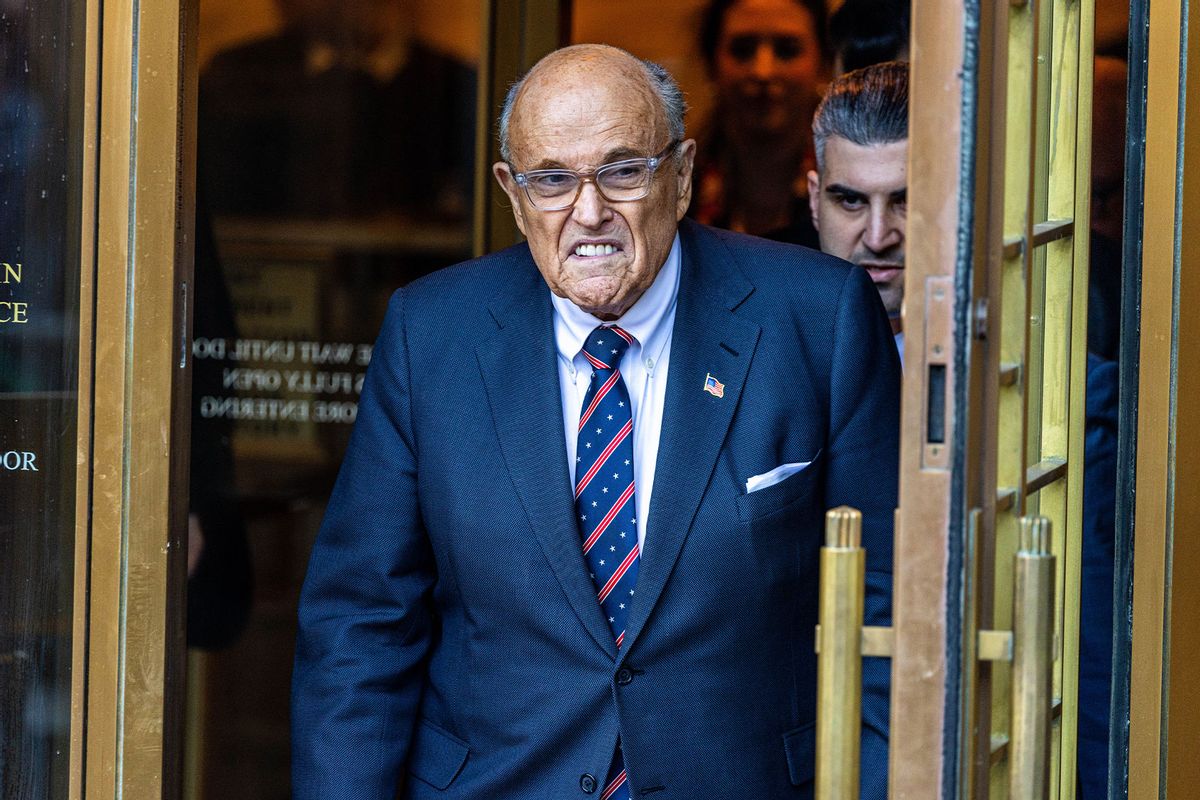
[(743, 48), (618, 182)]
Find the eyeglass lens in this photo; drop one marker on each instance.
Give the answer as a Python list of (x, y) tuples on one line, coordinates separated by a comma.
[(785, 48), (615, 181)]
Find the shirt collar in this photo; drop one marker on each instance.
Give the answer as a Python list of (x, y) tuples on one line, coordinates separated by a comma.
[(648, 321)]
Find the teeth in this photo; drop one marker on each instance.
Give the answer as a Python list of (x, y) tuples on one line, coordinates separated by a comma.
[(588, 250)]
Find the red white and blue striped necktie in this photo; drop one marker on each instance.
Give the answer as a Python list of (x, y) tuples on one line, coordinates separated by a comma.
[(604, 496)]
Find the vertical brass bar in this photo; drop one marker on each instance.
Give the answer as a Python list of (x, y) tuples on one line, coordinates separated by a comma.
[(194, 747), (1181, 637), (944, 84), (839, 663), (1033, 659), (993, 463), (969, 645), (516, 34), (1164, 242), (482, 197), (1073, 553), (142, 236), (83, 476), (106, 626)]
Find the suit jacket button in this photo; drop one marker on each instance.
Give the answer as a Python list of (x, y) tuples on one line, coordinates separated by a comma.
[(624, 676), (587, 782)]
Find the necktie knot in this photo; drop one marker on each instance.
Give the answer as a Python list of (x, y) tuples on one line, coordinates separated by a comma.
[(604, 347)]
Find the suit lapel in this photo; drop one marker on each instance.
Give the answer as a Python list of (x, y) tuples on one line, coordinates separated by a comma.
[(708, 339), (520, 372)]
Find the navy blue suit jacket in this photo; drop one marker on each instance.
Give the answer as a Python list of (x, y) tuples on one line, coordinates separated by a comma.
[(451, 644)]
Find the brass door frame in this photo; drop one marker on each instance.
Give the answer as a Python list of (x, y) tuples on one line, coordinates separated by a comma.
[(1164, 722), (83, 447), (134, 381), (516, 33), (923, 671)]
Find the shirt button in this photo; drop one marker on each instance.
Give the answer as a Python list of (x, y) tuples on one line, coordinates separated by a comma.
[(587, 782), (624, 676), (649, 363)]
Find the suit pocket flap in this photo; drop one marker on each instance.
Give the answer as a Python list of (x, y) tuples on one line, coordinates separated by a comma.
[(437, 756), (801, 746)]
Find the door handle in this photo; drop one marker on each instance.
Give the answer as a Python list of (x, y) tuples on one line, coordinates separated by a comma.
[(839, 655), (1032, 662)]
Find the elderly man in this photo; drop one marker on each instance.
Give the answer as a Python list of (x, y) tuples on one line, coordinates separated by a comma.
[(858, 194), (572, 550)]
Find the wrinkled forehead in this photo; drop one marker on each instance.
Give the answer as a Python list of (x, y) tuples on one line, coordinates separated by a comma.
[(582, 97)]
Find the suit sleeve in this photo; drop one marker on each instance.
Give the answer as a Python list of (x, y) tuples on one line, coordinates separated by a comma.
[(364, 609), (863, 465)]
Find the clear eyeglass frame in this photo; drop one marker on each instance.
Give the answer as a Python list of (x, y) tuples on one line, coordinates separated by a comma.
[(597, 177)]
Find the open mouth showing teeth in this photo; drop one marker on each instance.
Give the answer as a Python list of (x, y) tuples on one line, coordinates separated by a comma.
[(588, 250)]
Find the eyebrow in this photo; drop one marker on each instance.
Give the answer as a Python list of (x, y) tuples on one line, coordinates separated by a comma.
[(898, 196), (844, 191)]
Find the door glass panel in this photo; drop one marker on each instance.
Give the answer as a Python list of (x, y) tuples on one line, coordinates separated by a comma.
[(41, 147), (335, 164)]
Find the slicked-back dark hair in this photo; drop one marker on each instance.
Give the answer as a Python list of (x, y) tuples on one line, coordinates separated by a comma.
[(868, 106), (712, 22)]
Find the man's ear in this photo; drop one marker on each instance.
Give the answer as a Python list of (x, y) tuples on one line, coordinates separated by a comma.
[(508, 183), (686, 160), (814, 198)]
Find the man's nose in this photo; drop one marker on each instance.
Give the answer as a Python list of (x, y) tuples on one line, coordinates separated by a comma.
[(885, 230), (591, 209)]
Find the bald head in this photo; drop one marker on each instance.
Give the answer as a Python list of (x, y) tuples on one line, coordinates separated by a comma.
[(594, 66)]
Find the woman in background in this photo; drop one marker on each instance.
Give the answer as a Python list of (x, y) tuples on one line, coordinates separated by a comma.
[(769, 60)]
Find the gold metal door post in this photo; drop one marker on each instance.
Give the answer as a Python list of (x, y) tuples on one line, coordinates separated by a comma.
[(839, 663), (1033, 660)]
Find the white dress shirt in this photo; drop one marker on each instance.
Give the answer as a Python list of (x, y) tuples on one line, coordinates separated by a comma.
[(643, 368)]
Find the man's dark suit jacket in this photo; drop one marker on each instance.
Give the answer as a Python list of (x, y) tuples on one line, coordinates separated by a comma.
[(451, 644)]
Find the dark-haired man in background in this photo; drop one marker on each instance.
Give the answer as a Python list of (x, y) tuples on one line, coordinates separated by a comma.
[(858, 193)]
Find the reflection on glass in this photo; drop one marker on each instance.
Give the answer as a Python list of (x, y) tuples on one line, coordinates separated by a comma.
[(335, 163), (40, 150), (343, 112)]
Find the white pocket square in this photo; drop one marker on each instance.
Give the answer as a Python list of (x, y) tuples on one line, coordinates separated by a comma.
[(782, 472)]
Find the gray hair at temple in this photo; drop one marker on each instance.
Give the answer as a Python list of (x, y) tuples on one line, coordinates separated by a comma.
[(868, 106), (670, 96)]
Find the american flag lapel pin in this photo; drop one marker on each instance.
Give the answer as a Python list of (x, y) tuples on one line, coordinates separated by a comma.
[(713, 386)]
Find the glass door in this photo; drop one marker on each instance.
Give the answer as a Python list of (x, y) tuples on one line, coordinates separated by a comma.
[(344, 149), (94, 292), (42, 141)]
